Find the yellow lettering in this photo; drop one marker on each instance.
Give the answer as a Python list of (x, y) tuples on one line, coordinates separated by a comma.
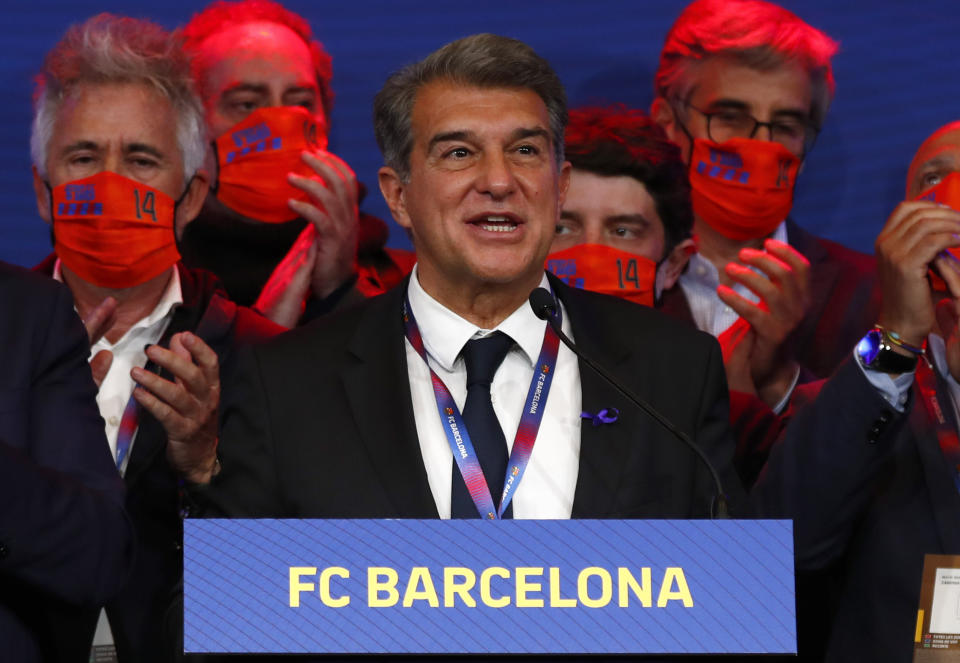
[(555, 600), (485, 595), (606, 587), (375, 585), (674, 576), (296, 587), (451, 587), (420, 575), (523, 586), (626, 582), (325, 596)]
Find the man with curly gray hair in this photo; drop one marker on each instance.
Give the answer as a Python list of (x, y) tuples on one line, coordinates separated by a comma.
[(118, 147)]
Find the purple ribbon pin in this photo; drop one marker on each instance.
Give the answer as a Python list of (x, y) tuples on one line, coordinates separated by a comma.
[(604, 416)]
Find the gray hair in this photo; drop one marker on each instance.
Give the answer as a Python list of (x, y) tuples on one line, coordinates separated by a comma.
[(754, 33), (109, 49), (485, 61)]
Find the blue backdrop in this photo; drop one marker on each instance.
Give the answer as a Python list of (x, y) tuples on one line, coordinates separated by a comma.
[(897, 80)]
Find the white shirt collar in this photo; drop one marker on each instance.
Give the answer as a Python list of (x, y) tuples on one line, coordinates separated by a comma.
[(704, 271), (172, 297), (445, 333)]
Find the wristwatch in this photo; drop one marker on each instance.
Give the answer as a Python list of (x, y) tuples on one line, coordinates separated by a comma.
[(876, 353)]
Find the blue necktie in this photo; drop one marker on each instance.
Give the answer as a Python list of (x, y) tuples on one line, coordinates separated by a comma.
[(482, 357)]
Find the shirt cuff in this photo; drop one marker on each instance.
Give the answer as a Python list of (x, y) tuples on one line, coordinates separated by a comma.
[(782, 404), (894, 390)]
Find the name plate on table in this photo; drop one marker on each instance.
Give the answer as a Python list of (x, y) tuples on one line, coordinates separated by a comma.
[(471, 586)]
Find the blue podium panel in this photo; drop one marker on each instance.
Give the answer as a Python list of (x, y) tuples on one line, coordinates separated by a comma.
[(471, 586)]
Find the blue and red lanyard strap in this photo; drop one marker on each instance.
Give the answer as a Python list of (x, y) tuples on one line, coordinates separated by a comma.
[(456, 430), (947, 435), (128, 427)]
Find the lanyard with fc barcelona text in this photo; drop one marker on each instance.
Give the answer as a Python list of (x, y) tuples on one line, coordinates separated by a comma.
[(456, 430)]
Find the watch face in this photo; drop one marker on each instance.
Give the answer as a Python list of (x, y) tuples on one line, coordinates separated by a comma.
[(869, 347)]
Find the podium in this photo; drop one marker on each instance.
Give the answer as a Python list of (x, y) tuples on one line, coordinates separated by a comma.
[(472, 586)]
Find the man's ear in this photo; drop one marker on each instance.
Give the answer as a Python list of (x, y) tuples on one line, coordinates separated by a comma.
[(393, 189), (565, 170), (663, 114), (192, 201), (677, 261), (43, 197)]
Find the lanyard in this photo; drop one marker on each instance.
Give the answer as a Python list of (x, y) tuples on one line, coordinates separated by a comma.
[(946, 431), (456, 431), (128, 427)]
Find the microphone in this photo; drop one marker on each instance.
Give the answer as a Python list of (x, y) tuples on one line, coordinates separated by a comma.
[(545, 308)]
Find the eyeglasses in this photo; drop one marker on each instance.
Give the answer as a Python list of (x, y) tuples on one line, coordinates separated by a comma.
[(795, 134)]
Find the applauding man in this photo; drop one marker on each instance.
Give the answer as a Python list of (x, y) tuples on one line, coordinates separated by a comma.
[(118, 145), (743, 88), (281, 225)]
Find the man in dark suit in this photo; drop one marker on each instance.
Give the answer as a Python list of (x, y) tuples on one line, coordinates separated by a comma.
[(341, 419), (743, 88), (869, 470), (117, 147), (65, 542)]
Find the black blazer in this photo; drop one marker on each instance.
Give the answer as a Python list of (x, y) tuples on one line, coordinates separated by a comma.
[(871, 494), (137, 613), (65, 542), (321, 424)]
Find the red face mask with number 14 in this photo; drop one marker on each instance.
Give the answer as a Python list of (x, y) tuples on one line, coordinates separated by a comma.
[(604, 269), (112, 231)]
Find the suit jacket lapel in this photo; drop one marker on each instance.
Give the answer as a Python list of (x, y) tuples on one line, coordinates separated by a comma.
[(378, 389), (823, 275), (604, 449), (943, 490)]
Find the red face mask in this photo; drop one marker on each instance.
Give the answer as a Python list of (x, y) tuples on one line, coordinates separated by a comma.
[(112, 231), (947, 192), (743, 188), (607, 270), (255, 156)]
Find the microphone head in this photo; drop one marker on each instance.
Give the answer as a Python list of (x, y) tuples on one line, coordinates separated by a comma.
[(541, 301)]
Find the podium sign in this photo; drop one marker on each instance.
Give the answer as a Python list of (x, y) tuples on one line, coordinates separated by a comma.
[(471, 586)]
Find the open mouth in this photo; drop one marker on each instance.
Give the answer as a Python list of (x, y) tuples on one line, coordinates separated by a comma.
[(496, 223)]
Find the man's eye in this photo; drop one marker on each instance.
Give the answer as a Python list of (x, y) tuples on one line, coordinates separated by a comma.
[(244, 105), (563, 230), (528, 150), (931, 179), (625, 233), (731, 118), (788, 129), (309, 104), (458, 153)]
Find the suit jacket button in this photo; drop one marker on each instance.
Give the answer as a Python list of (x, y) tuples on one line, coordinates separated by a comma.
[(4, 551)]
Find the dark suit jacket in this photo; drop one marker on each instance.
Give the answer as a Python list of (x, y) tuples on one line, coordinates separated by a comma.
[(153, 502), (871, 493), (323, 425), (65, 542), (845, 302)]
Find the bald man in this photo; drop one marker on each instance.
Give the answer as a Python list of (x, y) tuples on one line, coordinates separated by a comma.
[(870, 471)]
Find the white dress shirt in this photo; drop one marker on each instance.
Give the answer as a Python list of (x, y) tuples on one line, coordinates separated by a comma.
[(896, 390), (547, 487), (129, 351)]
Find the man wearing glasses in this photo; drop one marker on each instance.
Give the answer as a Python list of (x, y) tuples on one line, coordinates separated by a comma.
[(743, 88)]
